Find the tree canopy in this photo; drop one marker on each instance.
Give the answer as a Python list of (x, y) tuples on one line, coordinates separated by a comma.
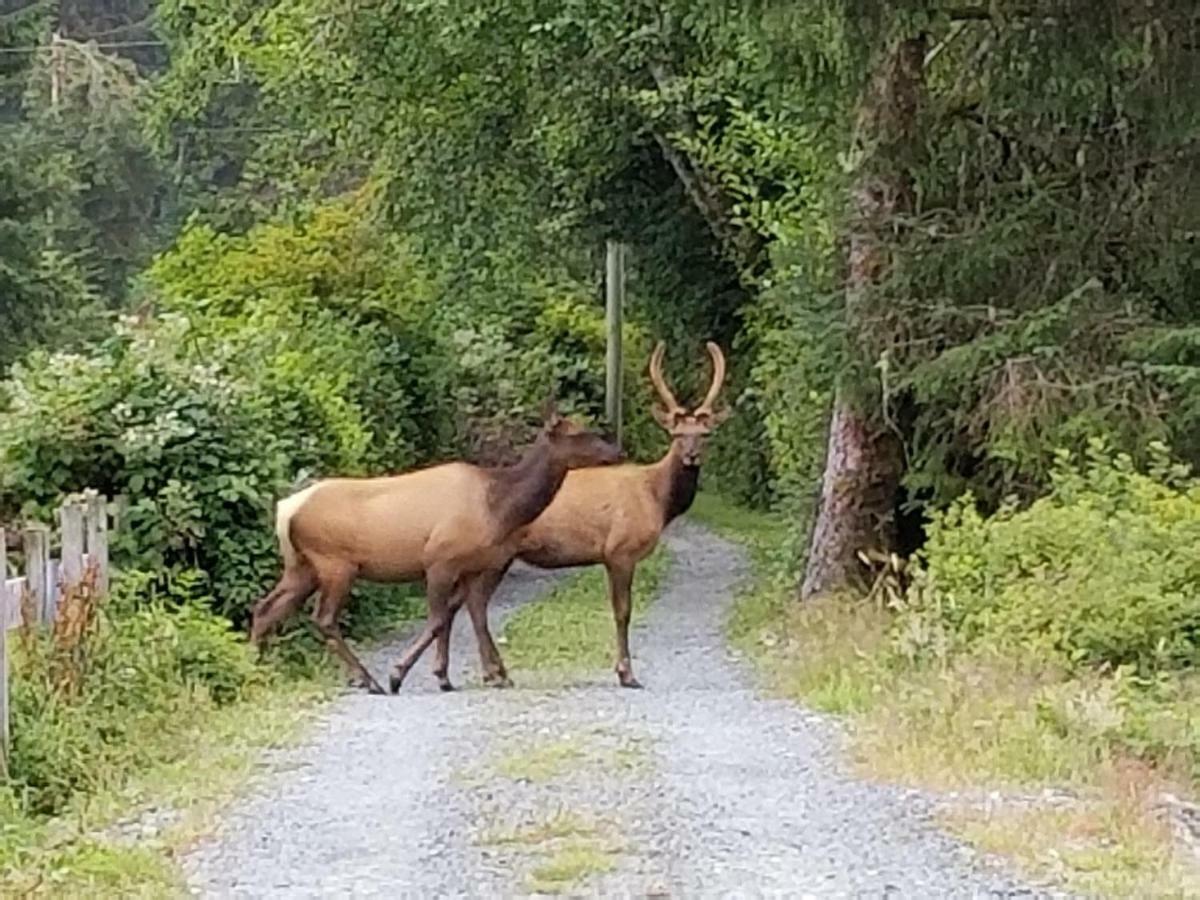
[(1030, 286)]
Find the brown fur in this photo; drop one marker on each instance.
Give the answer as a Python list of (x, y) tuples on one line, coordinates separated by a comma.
[(614, 516), (452, 525)]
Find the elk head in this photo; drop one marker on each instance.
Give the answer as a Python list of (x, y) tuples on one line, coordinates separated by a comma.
[(573, 445), (688, 430)]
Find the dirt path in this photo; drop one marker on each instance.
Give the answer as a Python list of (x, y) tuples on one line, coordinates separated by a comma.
[(694, 787)]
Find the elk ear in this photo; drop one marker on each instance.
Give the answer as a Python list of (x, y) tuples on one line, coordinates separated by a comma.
[(720, 416), (663, 417), (550, 414)]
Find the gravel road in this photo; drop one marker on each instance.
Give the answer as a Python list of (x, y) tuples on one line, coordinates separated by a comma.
[(694, 787)]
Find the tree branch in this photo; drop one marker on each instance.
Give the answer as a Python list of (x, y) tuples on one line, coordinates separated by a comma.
[(982, 13), (741, 244)]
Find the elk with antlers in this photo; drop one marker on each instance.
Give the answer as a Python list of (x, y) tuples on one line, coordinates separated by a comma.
[(613, 516), (451, 525)]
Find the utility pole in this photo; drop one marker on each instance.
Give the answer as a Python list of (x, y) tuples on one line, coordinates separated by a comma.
[(614, 296), (56, 69), (56, 90)]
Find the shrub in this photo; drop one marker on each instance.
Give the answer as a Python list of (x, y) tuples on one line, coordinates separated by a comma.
[(92, 705), (193, 446), (342, 313), (1104, 570), (294, 350)]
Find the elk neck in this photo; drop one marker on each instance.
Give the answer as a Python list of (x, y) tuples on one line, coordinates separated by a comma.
[(521, 492), (677, 483)]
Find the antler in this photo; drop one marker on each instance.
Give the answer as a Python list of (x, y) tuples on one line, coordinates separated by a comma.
[(660, 384), (718, 379)]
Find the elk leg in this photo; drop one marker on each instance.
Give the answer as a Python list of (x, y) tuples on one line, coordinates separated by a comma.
[(334, 591), (438, 592), (441, 659), (620, 586), (479, 593), (285, 598)]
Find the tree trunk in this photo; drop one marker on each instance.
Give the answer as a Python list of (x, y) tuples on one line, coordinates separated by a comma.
[(858, 493), (864, 459)]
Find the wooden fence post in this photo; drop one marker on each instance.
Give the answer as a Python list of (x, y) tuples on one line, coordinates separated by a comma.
[(118, 507), (36, 544), (96, 519), (5, 620), (614, 297), (70, 568)]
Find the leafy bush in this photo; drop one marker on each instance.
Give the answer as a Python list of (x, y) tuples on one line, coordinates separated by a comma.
[(342, 313), (294, 350), (168, 424), (1104, 570), (90, 706)]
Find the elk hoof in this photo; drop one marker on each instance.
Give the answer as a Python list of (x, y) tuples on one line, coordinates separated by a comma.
[(445, 686), (628, 681), (373, 687), (498, 681), (396, 679)]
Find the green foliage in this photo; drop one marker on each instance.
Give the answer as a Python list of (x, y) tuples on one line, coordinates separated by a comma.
[(547, 160), (184, 638), (1101, 571), (991, 716), (340, 311), (82, 196), (305, 354), (41, 290), (83, 715), (192, 445), (539, 337)]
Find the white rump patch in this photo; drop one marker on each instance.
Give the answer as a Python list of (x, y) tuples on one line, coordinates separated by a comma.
[(285, 509)]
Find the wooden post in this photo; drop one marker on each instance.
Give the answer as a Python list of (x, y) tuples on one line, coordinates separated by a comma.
[(117, 508), (96, 519), (5, 619), (56, 70), (70, 567), (35, 541), (614, 297), (56, 87)]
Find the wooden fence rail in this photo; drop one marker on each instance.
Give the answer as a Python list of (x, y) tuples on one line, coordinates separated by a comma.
[(83, 540)]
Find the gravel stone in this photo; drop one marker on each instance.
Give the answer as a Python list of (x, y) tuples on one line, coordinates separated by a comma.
[(696, 786)]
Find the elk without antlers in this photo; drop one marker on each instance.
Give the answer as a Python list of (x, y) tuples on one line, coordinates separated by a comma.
[(613, 516), (451, 525)]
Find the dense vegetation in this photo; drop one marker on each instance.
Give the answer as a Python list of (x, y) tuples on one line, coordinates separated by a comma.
[(1051, 647), (944, 244)]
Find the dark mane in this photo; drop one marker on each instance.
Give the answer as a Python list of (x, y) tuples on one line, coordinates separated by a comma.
[(521, 492), (681, 492)]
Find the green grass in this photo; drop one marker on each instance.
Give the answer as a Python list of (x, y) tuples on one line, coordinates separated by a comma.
[(191, 763), (570, 864), (542, 762), (754, 528), (202, 767), (571, 628), (559, 850), (980, 721), (559, 825)]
